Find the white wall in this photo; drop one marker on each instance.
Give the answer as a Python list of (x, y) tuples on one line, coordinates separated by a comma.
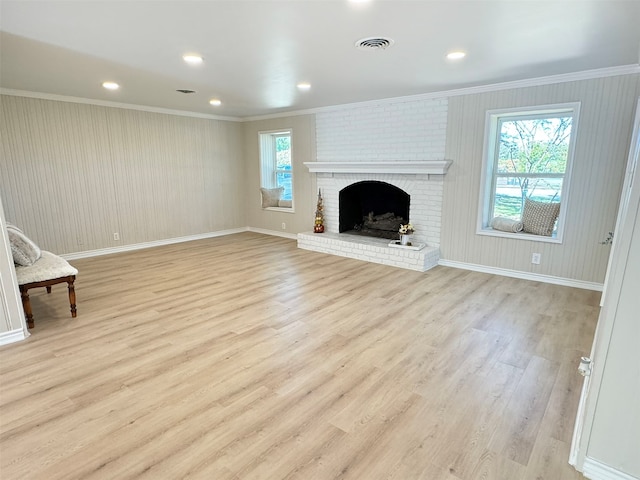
[(607, 438), (303, 141), (602, 142), (615, 435), (401, 131), (72, 174)]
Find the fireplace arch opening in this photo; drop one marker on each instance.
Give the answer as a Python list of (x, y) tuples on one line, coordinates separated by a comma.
[(373, 208)]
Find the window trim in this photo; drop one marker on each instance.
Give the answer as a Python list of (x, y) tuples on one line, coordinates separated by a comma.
[(273, 134), (487, 178)]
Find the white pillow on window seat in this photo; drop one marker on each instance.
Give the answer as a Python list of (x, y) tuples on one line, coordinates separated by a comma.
[(271, 196), (284, 203), (505, 224)]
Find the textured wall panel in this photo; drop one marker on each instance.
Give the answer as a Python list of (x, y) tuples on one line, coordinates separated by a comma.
[(72, 174), (303, 143), (602, 145)]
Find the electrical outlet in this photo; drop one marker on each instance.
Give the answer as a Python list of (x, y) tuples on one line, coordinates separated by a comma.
[(116, 236), (284, 226), (535, 258)]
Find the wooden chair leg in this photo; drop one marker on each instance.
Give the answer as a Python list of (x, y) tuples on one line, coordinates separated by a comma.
[(48, 288), (72, 296), (26, 304)]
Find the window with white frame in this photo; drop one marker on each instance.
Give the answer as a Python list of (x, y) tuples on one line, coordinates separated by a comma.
[(527, 164), (276, 169)]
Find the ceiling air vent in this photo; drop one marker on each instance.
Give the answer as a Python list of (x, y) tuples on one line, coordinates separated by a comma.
[(184, 90), (374, 43)]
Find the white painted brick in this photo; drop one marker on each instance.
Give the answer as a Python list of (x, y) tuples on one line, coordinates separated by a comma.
[(372, 250), (405, 131), (411, 130)]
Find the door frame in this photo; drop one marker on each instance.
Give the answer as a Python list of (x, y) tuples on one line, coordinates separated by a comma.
[(627, 210), (13, 326)]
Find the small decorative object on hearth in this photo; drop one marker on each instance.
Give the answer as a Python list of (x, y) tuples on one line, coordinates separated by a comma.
[(405, 232), (318, 226)]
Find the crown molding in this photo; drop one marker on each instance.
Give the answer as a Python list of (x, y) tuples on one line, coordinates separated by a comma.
[(106, 103), (529, 82)]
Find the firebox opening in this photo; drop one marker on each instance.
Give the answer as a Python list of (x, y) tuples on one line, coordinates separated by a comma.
[(373, 208)]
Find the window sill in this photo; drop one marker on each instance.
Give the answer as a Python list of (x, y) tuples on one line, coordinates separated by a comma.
[(490, 232), (280, 209)]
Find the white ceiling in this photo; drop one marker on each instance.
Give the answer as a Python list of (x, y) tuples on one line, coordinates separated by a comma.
[(257, 51)]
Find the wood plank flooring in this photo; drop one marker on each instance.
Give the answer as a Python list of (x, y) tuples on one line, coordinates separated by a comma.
[(243, 357)]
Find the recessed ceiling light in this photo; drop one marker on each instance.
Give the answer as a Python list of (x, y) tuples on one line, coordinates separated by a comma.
[(110, 85), (456, 55), (193, 59), (215, 102), (304, 86)]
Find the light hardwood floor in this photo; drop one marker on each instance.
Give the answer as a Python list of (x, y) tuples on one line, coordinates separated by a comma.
[(243, 357)]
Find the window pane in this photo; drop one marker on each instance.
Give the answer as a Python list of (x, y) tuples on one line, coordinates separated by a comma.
[(539, 145), (511, 192), (284, 179), (283, 152), (276, 168)]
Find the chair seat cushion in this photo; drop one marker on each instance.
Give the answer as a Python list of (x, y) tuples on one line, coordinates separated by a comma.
[(48, 267)]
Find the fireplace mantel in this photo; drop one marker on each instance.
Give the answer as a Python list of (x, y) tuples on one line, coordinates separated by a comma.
[(418, 167)]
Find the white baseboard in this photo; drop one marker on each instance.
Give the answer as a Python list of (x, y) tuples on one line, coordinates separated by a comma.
[(536, 277), (275, 233), (156, 243), (594, 470), (12, 336)]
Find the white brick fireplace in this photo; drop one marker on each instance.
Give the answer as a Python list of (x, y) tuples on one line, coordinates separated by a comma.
[(422, 180), (400, 142)]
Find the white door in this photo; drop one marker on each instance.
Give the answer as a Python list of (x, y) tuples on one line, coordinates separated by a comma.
[(627, 214)]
